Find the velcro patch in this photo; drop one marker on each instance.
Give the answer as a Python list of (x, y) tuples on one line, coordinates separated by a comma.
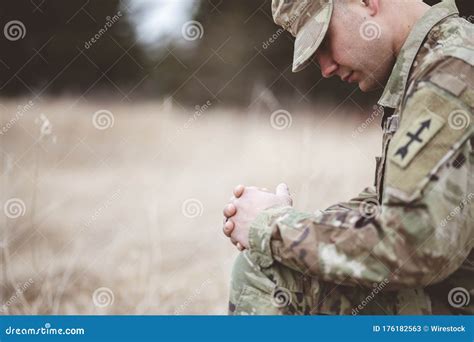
[(415, 138), (449, 82)]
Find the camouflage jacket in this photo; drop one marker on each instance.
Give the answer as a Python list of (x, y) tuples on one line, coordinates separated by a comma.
[(416, 231)]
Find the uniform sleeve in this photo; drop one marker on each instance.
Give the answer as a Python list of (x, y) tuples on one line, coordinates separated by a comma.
[(423, 229)]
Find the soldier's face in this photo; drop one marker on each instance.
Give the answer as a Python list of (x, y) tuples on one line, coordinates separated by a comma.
[(357, 50)]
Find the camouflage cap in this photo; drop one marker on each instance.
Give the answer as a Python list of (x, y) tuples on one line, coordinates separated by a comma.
[(307, 21)]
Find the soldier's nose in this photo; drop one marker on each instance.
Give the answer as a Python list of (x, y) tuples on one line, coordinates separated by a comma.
[(328, 70)]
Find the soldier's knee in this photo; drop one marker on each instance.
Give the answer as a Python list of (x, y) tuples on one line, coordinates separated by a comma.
[(246, 272), (251, 290), (271, 290)]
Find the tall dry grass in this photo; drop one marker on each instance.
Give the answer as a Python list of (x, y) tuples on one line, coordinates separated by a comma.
[(127, 220)]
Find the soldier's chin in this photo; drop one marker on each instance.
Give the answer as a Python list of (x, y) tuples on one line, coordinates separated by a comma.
[(368, 84)]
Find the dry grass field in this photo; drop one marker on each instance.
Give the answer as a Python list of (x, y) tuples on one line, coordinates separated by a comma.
[(127, 219)]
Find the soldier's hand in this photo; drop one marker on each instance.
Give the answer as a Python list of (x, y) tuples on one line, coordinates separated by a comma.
[(229, 211), (246, 204)]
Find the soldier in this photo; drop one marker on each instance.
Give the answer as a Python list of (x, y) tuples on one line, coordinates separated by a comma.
[(404, 247)]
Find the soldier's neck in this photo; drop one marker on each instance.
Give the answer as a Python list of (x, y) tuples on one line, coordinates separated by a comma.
[(409, 15)]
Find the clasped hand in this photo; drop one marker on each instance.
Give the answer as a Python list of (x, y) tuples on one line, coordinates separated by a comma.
[(245, 205)]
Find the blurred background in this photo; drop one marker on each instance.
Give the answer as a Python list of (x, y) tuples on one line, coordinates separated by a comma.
[(124, 126)]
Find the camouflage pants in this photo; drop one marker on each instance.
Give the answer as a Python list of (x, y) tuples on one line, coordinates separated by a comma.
[(279, 290)]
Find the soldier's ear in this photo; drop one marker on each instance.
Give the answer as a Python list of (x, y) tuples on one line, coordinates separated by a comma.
[(373, 6)]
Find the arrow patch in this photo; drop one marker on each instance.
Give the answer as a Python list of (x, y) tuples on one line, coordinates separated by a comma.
[(415, 138)]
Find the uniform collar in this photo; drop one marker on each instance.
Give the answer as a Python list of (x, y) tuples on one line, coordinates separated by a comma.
[(398, 80)]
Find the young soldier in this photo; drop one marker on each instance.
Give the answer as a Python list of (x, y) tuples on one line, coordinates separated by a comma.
[(405, 247)]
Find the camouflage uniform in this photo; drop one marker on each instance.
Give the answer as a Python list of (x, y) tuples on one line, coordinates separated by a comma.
[(401, 248)]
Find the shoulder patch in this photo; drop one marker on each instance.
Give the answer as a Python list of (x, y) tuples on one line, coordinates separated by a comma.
[(433, 127), (416, 137)]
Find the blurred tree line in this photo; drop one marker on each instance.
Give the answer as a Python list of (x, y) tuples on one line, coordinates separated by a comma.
[(232, 63)]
